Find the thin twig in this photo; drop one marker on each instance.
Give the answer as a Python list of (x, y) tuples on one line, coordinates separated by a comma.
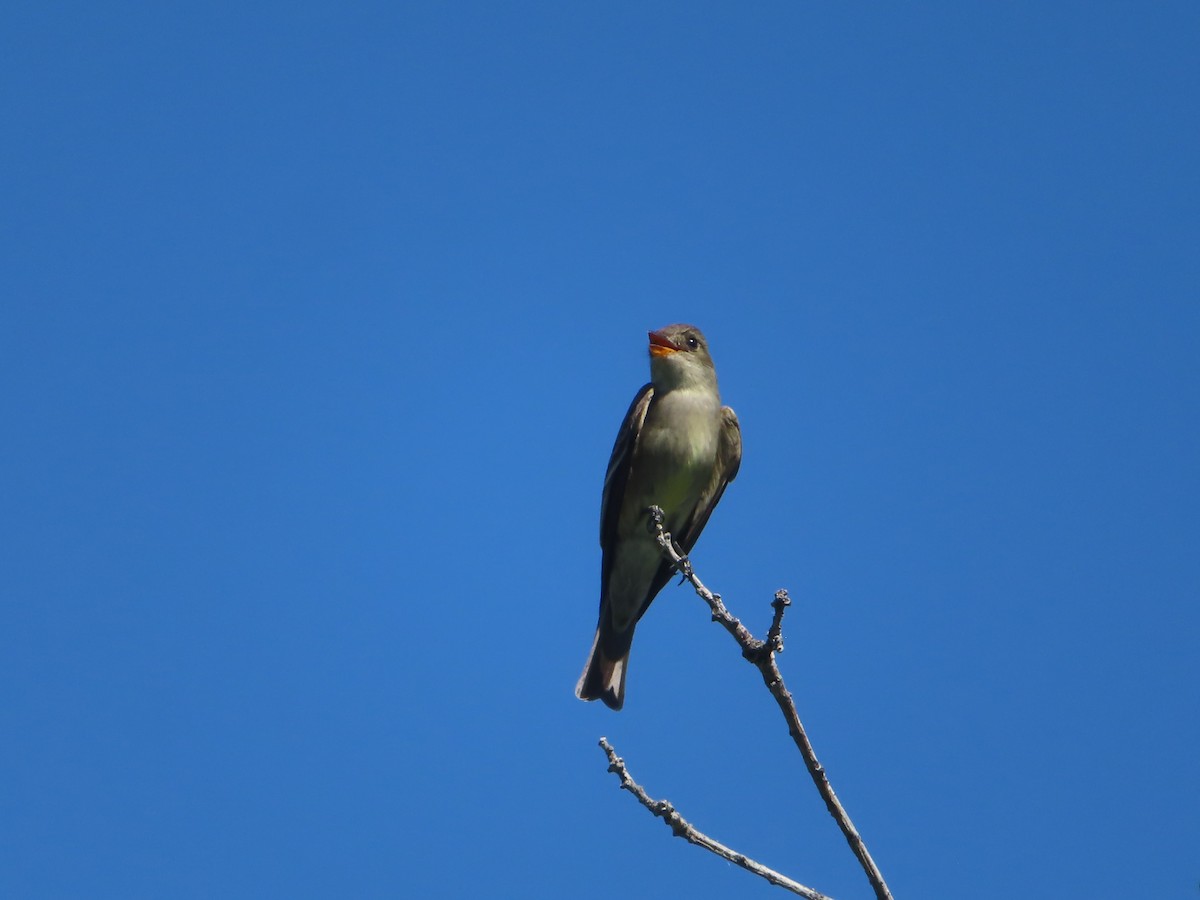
[(762, 655), (680, 827)]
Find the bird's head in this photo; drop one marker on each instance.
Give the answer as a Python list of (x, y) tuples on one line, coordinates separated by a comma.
[(679, 358)]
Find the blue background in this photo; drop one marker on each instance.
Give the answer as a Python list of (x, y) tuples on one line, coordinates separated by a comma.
[(317, 326)]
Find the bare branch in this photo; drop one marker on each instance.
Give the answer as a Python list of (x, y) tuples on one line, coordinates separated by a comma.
[(720, 614), (762, 655), (680, 827)]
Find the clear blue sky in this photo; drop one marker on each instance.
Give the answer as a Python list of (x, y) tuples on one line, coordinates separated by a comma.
[(317, 326)]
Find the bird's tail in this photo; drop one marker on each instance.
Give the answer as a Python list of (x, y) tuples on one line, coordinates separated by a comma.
[(603, 677)]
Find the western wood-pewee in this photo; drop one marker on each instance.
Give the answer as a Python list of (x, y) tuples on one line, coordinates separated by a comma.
[(677, 449)]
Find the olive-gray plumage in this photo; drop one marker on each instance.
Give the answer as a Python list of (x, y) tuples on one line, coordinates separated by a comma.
[(677, 449)]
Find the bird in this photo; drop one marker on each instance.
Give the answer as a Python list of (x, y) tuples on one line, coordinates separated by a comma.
[(677, 448)]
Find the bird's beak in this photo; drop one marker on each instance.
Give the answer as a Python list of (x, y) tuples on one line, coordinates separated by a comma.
[(660, 345)]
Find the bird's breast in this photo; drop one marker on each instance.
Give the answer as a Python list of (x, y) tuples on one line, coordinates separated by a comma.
[(676, 452)]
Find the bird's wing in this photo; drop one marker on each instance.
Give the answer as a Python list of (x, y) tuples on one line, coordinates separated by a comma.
[(729, 459), (619, 465)]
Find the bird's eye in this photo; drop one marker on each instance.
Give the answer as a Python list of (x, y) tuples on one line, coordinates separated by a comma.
[(692, 342)]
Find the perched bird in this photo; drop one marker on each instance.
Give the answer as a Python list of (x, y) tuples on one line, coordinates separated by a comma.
[(677, 449)]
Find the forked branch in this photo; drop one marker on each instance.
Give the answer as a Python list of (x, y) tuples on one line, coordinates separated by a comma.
[(761, 654)]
